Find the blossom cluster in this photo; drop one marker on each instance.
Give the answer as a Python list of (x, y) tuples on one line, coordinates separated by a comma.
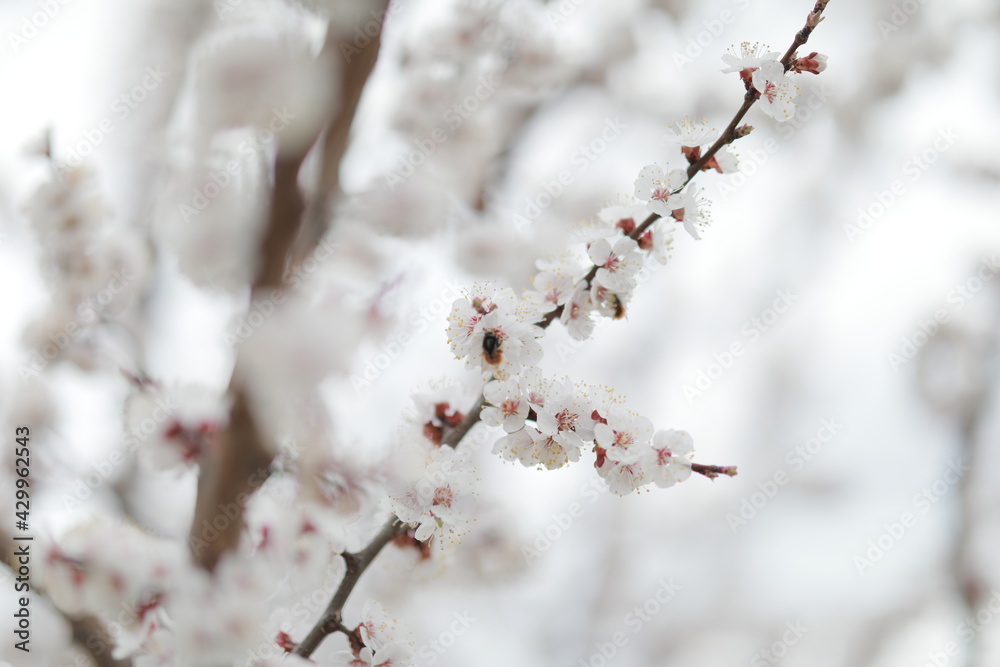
[(150, 587), (429, 485), (375, 642), (439, 499), (93, 265), (762, 72), (97, 269), (550, 424), (496, 332)]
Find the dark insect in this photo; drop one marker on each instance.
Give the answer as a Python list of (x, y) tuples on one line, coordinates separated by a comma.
[(491, 346), (619, 307)]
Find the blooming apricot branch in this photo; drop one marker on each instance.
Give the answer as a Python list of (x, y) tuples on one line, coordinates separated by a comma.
[(546, 422), (285, 498)]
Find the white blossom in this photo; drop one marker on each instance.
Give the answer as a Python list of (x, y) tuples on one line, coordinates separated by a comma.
[(494, 332), (617, 264), (441, 500), (508, 405), (777, 92), (750, 57), (668, 461), (657, 187), (577, 314)]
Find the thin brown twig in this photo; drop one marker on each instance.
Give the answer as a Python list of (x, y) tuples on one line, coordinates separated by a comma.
[(802, 36), (471, 418), (728, 136), (713, 471), (332, 619)]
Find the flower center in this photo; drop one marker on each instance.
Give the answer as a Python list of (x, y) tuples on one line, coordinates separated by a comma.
[(566, 420), (623, 439), (443, 496)]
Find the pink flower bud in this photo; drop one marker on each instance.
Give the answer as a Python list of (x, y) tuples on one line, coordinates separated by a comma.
[(814, 62)]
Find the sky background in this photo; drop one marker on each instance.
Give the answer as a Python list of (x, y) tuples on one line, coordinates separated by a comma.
[(911, 108)]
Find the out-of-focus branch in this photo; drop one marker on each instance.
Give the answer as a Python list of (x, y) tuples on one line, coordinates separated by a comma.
[(969, 408), (336, 138), (83, 630), (231, 472), (965, 580), (284, 220), (240, 463), (452, 438)]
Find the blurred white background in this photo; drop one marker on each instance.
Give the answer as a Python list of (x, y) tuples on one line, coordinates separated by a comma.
[(810, 535)]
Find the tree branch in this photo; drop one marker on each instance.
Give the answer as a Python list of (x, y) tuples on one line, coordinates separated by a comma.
[(332, 619), (232, 470), (83, 630), (241, 463), (337, 135), (471, 418), (357, 563), (727, 137), (713, 471)]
